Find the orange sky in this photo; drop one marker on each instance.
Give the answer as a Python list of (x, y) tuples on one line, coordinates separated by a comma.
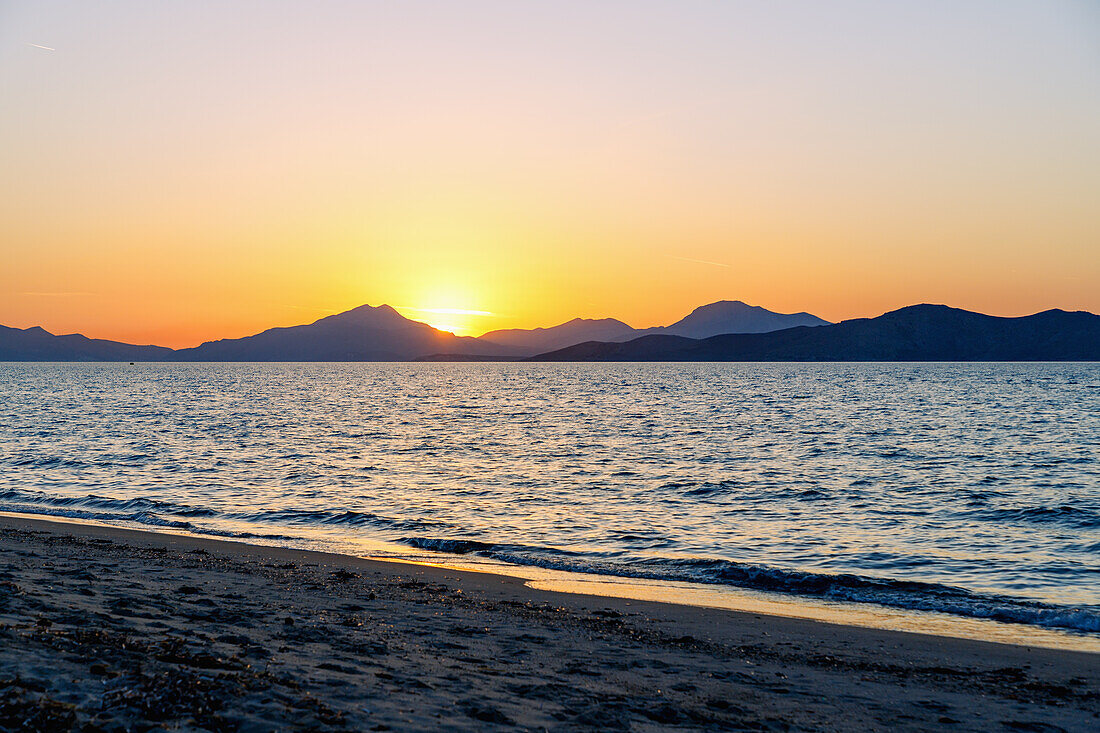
[(177, 172)]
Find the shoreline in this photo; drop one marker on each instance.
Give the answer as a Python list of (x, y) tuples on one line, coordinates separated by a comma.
[(98, 622), (676, 592)]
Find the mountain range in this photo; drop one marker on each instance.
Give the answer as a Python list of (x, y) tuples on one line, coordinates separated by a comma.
[(722, 331), (380, 333), (366, 333), (724, 316), (38, 344), (916, 333)]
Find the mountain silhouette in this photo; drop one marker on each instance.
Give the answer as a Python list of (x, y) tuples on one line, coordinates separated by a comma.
[(375, 333), (578, 330), (366, 333), (38, 344), (734, 316), (379, 333), (915, 333), (724, 316)]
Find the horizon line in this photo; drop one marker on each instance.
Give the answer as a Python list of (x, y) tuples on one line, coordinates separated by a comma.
[(532, 328)]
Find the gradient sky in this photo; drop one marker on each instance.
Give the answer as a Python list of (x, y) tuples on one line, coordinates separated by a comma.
[(173, 172)]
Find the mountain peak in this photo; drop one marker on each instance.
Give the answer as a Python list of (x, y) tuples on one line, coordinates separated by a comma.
[(593, 321), (737, 316), (925, 307), (536, 340), (373, 316), (367, 309)]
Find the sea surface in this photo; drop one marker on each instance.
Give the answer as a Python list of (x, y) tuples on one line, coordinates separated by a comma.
[(971, 490)]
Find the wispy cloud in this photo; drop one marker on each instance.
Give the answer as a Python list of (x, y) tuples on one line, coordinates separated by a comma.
[(46, 294), (44, 48), (701, 262), (312, 308), (446, 311)]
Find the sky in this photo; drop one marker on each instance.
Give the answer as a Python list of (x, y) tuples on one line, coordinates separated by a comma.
[(174, 172)]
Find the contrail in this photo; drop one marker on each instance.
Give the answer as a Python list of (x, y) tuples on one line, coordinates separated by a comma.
[(47, 48), (701, 262)]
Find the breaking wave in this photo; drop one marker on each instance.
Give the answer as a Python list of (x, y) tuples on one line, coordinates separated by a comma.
[(903, 594)]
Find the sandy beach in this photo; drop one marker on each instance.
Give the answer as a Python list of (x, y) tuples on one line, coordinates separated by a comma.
[(108, 629)]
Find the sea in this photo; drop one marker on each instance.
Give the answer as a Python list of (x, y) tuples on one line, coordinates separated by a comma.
[(961, 491)]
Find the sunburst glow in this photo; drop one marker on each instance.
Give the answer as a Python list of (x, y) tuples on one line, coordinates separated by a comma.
[(459, 321)]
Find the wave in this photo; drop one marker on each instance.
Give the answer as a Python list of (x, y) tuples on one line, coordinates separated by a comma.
[(52, 461), (455, 547), (154, 512), (705, 489), (1070, 516), (94, 501), (141, 517), (46, 461), (903, 594), (337, 517)]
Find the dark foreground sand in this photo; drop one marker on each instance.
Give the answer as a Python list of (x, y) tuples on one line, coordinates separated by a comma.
[(109, 630)]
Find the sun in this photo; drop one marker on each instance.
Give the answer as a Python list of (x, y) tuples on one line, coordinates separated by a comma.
[(449, 301), (459, 321)]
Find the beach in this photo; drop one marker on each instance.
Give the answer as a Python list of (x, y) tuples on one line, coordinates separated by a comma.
[(108, 629)]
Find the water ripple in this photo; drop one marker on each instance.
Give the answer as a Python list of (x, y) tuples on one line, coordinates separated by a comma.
[(883, 483)]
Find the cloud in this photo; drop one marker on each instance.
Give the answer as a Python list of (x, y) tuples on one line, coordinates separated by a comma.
[(46, 294), (447, 311), (701, 262)]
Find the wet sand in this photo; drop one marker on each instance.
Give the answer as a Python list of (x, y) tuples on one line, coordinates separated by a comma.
[(105, 629)]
